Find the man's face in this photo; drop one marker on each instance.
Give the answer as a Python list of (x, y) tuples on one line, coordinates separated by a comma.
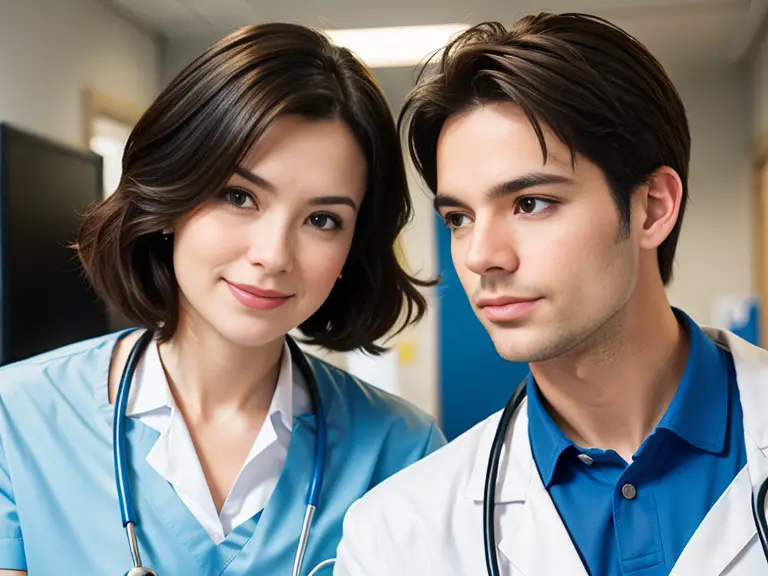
[(538, 246)]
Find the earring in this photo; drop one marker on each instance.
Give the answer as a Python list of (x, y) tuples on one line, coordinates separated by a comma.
[(341, 276), (167, 234)]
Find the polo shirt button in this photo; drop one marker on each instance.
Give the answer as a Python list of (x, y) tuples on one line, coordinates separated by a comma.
[(629, 491), (586, 459)]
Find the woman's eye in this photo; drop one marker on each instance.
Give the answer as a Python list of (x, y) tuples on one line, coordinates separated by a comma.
[(532, 205), (239, 198), (324, 221)]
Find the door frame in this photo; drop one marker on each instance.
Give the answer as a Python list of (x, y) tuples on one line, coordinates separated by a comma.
[(96, 103), (759, 176)]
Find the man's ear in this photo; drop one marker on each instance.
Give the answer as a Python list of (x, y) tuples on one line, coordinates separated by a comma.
[(659, 206)]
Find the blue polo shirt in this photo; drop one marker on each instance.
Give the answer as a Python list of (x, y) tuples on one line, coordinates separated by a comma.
[(637, 518)]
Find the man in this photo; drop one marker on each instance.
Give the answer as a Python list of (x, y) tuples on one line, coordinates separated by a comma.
[(558, 153)]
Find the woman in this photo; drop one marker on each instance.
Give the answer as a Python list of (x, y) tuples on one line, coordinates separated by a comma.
[(262, 191)]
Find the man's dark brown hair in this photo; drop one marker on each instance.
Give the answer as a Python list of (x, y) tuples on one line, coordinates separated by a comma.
[(194, 136), (598, 89)]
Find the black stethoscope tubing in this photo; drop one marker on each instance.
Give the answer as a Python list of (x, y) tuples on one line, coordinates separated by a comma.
[(491, 477)]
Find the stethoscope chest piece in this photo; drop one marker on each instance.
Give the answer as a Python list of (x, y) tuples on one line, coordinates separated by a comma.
[(141, 571)]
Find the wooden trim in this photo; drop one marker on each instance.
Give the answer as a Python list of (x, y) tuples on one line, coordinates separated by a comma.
[(760, 151), (96, 103), (760, 220)]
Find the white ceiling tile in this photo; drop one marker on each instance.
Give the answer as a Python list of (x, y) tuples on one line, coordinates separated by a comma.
[(214, 7), (373, 13), (651, 9), (222, 23), (151, 9), (222, 15), (189, 27), (677, 29)]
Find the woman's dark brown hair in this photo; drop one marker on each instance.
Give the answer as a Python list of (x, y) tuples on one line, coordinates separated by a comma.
[(598, 89), (198, 130)]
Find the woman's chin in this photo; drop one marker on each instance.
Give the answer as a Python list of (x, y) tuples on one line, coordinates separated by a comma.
[(252, 332)]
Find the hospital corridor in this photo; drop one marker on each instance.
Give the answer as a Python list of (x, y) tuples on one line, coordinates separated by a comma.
[(316, 287)]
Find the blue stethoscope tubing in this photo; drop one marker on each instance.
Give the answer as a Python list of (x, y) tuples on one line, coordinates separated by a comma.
[(124, 495), (492, 473)]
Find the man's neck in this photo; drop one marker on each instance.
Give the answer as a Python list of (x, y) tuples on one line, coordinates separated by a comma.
[(612, 391)]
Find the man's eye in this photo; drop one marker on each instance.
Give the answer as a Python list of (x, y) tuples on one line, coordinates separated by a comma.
[(532, 205), (455, 220)]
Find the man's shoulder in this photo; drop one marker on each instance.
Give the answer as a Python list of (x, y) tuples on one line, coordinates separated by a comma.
[(441, 475), (399, 526)]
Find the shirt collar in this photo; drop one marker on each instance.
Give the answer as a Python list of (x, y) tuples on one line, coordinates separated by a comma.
[(698, 413), (150, 391), (547, 440), (282, 401)]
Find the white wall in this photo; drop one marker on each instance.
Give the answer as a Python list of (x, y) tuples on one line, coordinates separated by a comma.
[(714, 256), (178, 53), (52, 50), (418, 378), (418, 381)]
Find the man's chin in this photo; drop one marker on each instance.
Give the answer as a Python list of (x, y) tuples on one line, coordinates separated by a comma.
[(521, 345), (513, 350)]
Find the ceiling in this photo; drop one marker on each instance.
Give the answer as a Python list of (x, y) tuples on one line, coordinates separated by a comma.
[(677, 31)]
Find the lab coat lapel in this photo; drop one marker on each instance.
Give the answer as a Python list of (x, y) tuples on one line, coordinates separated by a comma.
[(722, 535), (729, 526), (533, 539), (540, 544)]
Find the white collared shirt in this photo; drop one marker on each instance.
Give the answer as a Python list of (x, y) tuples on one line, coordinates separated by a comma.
[(173, 455)]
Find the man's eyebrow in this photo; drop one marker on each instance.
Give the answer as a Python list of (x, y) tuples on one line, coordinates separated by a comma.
[(514, 186), (527, 181)]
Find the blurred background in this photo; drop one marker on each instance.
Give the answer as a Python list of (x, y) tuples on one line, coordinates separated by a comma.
[(75, 75)]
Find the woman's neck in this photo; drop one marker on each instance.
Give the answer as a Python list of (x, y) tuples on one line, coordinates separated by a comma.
[(211, 377)]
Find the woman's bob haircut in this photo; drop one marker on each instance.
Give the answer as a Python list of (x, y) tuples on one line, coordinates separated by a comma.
[(189, 143)]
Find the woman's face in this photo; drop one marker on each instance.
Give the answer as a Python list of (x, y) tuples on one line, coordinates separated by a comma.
[(263, 255)]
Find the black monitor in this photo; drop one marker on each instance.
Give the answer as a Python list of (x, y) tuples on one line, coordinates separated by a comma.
[(45, 301)]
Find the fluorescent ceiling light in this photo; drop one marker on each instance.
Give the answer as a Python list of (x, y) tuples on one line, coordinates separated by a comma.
[(395, 46)]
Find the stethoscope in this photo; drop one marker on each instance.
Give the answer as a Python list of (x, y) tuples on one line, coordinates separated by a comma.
[(489, 493), (127, 509)]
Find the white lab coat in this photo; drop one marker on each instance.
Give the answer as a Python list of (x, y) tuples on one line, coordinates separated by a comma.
[(427, 519)]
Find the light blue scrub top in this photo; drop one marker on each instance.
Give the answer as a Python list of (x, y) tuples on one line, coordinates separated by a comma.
[(58, 502)]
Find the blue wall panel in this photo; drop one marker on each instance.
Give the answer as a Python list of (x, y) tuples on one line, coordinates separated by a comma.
[(475, 381)]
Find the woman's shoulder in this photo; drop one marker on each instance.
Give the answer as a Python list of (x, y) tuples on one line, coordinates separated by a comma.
[(81, 363), (361, 404), (361, 395)]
